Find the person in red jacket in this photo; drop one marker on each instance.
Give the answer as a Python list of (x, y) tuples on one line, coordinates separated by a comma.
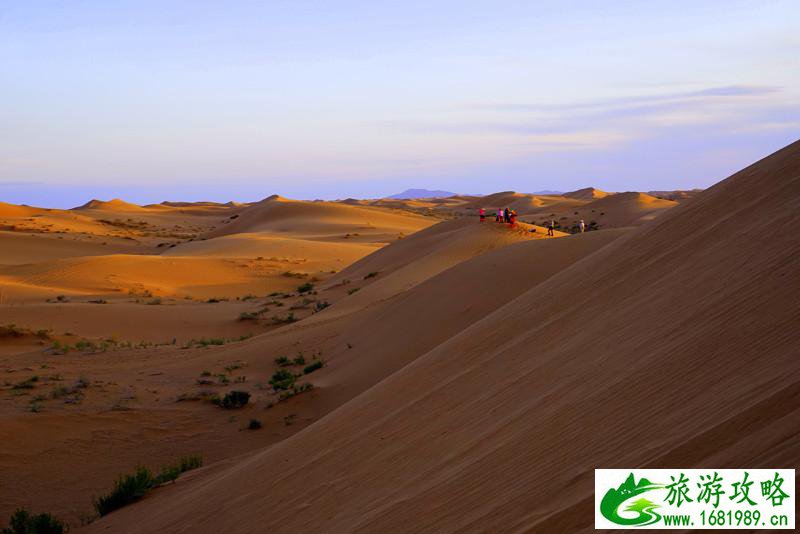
[(482, 213)]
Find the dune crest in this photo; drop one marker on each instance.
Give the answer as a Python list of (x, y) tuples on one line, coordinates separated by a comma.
[(587, 193), (114, 204)]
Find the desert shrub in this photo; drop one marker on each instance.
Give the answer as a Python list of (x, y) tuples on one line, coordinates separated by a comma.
[(300, 360), (171, 472), (282, 379), (282, 361), (254, 424), (234, 366), (61, 391), (81, 383), (233, 400), (205, 373), (373, 274), (296, 390), (28, 383), (203, 342), (11, 330), (292, 274), (43, 334), (62, 298), (351, 291), (24, 522), (305, 288), (321, 305), (223, 379), (131, 488), (127, 489), (248, 316), (317, 364), (85, 344), (284, 320), (154, 302)]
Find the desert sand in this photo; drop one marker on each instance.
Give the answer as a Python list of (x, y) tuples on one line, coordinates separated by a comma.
[(474, 374)]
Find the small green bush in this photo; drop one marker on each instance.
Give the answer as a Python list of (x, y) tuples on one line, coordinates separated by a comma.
[(127, 489), (131, 488), (233, 400), (317, 364), (255, 424), (373, 274), (23, 522), (211, 341), (28, 383), (284, 320), (282, 379), (282, 361), (296, 390), (172, 472), (305, 288)]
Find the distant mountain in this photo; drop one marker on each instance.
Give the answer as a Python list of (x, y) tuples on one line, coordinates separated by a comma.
[(421, 193), (547, 192)]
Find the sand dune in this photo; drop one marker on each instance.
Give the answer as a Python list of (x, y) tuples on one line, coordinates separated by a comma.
[(501, 425), (19, 248), (114, 204), (323, 220), (587, 193)]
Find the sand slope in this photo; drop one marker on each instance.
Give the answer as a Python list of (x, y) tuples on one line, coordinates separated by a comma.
[(501, 426), (321, 219), (587, 193)]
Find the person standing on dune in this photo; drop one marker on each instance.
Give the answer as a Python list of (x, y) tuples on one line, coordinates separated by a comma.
[(499, 216), (506, 215), (551, 227), (482, 213), (582, 226)]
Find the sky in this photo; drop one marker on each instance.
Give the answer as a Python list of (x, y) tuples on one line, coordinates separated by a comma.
[(208, 100)]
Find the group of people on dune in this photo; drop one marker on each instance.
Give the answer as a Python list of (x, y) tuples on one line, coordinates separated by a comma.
[(508, 216), (503, 215)]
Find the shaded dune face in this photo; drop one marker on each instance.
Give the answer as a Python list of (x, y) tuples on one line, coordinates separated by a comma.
[(673, 345)]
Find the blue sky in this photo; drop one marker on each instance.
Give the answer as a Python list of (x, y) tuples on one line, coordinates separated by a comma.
[(191, 100)]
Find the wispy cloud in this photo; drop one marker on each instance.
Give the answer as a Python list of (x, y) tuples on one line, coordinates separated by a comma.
[(635, 100), (610, 122)]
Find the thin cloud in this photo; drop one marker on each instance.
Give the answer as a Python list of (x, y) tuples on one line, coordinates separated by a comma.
[(637, 100)]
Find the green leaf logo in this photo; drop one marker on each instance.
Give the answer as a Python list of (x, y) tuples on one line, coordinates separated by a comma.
[(645, 509)]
